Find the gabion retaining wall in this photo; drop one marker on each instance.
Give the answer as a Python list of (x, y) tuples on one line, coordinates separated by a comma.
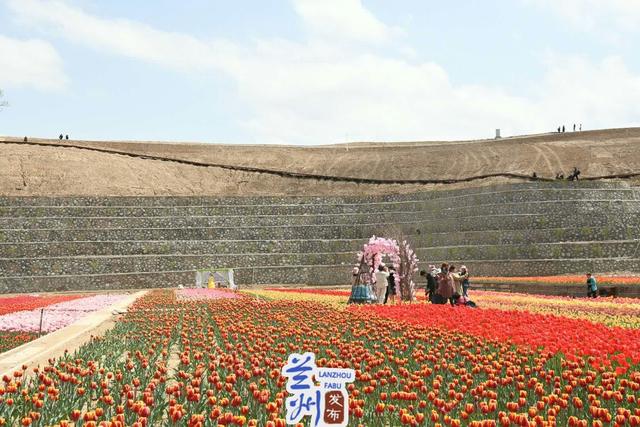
[(137, 242)]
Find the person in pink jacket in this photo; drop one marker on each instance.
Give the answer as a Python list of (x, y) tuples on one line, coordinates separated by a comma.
[(446, 285)]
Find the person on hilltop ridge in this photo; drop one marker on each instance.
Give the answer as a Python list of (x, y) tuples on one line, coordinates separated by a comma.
[(592, 286), (575, 175)]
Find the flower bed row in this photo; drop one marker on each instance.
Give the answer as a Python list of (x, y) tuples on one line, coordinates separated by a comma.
[(30, 302), (218, 361), (572, 337), (605, 329), (623, 312), (204, 293), (55, 316), (558, 280), (9, 339)]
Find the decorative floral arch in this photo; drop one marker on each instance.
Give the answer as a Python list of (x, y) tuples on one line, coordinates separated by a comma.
[(404, 259)]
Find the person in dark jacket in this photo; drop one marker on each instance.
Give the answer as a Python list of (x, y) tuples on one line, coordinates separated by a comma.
[(430, 275), (464, 275), (391, 286), (592, 286)]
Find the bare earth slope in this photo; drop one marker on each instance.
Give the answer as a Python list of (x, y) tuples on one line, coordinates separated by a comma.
[(35, 170)]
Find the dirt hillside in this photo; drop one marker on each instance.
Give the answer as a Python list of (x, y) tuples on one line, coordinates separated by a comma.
[(42, 170)]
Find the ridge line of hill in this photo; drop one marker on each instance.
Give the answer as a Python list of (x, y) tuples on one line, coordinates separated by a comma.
[(310, 176)]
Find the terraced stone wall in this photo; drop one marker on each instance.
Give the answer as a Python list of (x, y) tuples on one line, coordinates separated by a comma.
[(125, 242)]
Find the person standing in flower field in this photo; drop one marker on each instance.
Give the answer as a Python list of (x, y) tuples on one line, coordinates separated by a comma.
[(456, 281), (391, 287), (592, 286), (382, 276), (430, 288), (464, 276), (446, 286)]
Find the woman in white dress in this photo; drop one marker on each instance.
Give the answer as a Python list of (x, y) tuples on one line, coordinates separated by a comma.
[(381, 283)]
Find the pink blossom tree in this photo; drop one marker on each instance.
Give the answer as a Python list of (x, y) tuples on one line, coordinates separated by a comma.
[(403, 258)]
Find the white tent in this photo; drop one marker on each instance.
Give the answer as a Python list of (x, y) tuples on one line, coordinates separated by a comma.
[(215, 277)]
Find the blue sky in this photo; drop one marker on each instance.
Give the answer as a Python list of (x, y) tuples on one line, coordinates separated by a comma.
[(316, 71)]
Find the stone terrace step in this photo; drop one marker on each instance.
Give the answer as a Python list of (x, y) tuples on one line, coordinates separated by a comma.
[(200, 200), (41, 249), (164, 206), (202, 221), (341, 231), (117, 219), (358, 231), (311, 275), (142, 263), (562, 250), (532, 235), (178, 247)]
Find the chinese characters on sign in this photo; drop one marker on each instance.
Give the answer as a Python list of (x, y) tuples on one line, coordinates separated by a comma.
[(327, 403)]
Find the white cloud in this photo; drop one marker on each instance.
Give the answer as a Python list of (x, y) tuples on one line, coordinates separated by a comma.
[(603, 16), (119, 36), (343, 19), (325, 91), (603, 93), (33, 63)]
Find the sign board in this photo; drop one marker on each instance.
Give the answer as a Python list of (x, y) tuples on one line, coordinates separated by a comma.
[(319, 393)]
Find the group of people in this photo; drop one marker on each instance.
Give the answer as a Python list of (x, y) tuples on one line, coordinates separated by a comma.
[(446, 285), (573, 176), (561, 129), (443, 285)]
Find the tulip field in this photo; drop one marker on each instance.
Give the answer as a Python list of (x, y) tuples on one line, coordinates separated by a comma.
[(209, 357)]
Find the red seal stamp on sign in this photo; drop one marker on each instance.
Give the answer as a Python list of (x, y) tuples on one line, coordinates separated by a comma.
[(334, 408)]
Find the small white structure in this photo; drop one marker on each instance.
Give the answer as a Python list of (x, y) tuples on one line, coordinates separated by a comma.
[(498, 134), (215, 278)]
